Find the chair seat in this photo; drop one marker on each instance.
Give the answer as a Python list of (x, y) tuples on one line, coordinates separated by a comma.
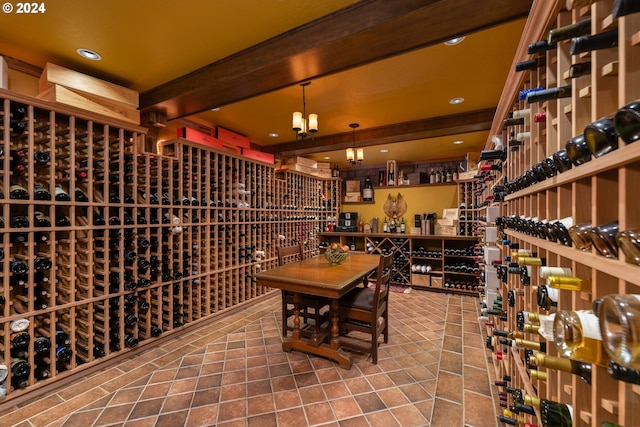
[(360, 298)]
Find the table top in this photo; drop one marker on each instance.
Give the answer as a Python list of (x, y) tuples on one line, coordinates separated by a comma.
[(315, 276)]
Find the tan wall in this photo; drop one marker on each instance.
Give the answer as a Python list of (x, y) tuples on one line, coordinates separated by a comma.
[(419, 200)]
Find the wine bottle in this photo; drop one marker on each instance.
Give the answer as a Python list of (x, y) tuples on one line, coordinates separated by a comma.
[(618, 316), (41, 157), (595, 42), (622, 373), (549, 94), (569, 283), (546, 297), (18, 192), (580, 28), (580, 69), (577, 336), (531, 64), (554, 271), (367, 191), (41, 220), (80, 196), (577, 150), (601, 137), (18, 267), (540, 47), (61, 195), (624, 7), (627, 122), (41, 193), (19, 221), (583, 370), (552, 414)]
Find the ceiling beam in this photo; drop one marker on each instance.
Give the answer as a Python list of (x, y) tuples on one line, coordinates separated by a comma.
[(474, 121), (367, 31)]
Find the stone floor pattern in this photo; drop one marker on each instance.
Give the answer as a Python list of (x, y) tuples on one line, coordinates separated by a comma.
[(232, 372)]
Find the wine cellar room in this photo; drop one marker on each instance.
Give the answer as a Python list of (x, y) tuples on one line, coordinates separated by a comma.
[(150, 179)]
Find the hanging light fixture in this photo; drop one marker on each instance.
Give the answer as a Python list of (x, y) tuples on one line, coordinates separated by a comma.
[(355, 154), (301, 125)]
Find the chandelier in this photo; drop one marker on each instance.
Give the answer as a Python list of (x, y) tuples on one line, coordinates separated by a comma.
[(355, 155), (301, 125)]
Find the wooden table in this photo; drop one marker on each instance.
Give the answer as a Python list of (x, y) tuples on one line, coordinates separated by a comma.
[(315, 276)]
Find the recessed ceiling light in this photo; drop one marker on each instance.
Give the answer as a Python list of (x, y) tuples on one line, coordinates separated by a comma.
[(215, 109), (327, 158), (458, 142), (89, 54), (274, 135), (456, 101), (454, 41), (384, 150)]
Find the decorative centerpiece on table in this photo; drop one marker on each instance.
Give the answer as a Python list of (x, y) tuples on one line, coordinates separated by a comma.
[(336, 253)]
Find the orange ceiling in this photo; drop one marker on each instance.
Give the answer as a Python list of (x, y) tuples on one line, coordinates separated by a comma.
[(145, 44)]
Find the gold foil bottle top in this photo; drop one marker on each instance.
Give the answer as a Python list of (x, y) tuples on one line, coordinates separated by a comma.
[(538, 375)]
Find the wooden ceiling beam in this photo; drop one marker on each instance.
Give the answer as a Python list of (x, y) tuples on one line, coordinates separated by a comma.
[(473, 121), (365, 32)]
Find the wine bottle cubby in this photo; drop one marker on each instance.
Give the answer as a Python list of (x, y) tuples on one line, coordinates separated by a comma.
[(107, 249), (566, 170)]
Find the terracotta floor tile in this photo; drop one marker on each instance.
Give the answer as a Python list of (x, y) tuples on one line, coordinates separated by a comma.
[(312, 394), (202, 416), (172, 419), (232, 410), (449, 387), (287, 399), (345, 407), (478, 410), (155, 390), (232, 372), (451, 362), (452, 343), (146, 408), (319, 413), (370, 402), (291, 418), (358, 385), (382, 418), (260, 405), (476, 380), (177, 402), (86, 418), (447, 413), (393, 397), (409, 416), (336, 390), (264, 420), (206, 397)]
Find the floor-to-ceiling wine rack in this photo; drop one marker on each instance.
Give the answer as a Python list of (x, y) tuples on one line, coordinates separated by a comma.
[(128, 246), (597, 192)]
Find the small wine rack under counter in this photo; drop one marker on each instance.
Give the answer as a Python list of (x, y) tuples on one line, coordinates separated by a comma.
[(105, 249), (438, 263)]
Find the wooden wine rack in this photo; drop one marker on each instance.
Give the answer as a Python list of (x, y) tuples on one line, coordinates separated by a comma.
[(153, 242), (598, 192)]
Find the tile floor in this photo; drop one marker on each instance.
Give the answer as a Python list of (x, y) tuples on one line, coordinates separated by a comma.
[(232, 372)]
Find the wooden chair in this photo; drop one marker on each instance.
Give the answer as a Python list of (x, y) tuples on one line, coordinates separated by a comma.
[(366, 311), (311, 308)]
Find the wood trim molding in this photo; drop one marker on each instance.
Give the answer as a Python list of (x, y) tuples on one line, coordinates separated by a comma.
[(367, 31), (428, 128)]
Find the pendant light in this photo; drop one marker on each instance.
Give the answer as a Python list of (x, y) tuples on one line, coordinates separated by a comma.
[(302, 125), (355, 154)]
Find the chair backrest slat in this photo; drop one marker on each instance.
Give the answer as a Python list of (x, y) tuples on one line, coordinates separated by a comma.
[(383, 282), (289, 254)]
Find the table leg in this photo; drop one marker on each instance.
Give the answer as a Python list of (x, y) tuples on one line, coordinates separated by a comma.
[(295, 335), (331, 351)]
